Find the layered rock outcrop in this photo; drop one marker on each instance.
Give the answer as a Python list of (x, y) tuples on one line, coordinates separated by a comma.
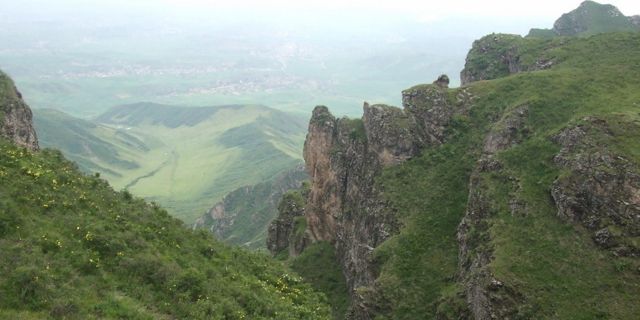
[(16, 119), (600, 189), (288, 232), (487, 297), (344, 156), (499, 55)]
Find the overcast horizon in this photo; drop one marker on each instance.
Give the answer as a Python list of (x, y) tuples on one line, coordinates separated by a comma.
[(518, 16), (290, 55)]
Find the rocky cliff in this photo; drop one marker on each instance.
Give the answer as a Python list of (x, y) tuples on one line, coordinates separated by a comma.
[(15, 116), (499, 55), (344, 205), (287, 233), (601, 187), (511, 198)]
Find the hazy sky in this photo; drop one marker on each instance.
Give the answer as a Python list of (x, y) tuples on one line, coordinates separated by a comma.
[(421, 9), (426, 11)]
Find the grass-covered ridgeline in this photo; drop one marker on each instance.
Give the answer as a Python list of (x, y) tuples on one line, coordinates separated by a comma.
[(555, 266), (73, 248)]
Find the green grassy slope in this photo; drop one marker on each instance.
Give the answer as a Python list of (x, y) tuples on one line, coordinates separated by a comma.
[(319, 268), (72, 248), (95, 147), (555, 266), (185, 158)]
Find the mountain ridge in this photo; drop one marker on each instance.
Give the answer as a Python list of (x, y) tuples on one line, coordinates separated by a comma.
[(513, 196)]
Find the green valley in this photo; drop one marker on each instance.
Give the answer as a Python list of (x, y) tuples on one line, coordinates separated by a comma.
[(185, 158)]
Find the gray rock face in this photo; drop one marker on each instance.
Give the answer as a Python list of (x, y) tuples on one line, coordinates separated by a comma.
[(16, 119), (429, 110), (635, 20), (491, 57), (344, 205), (601, 190), (344, 156), (288, 230), (498, 55), (487, 297), (580, 20)]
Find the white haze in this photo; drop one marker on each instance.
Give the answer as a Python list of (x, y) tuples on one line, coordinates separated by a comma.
[(85, 56)]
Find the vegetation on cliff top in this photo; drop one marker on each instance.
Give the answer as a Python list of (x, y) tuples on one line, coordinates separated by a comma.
[(554, 265), (73, 248)]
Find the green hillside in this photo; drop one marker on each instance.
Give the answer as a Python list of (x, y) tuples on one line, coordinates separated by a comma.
[(72, 248), (185, 158), (94, 147), (551, 268), (522, 203)]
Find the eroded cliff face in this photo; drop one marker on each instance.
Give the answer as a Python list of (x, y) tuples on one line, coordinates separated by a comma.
[(16, 119), (499, 55), (344, 156), (532, 164), (600, 189), (487, 296), (288, 232), (344, 205)]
